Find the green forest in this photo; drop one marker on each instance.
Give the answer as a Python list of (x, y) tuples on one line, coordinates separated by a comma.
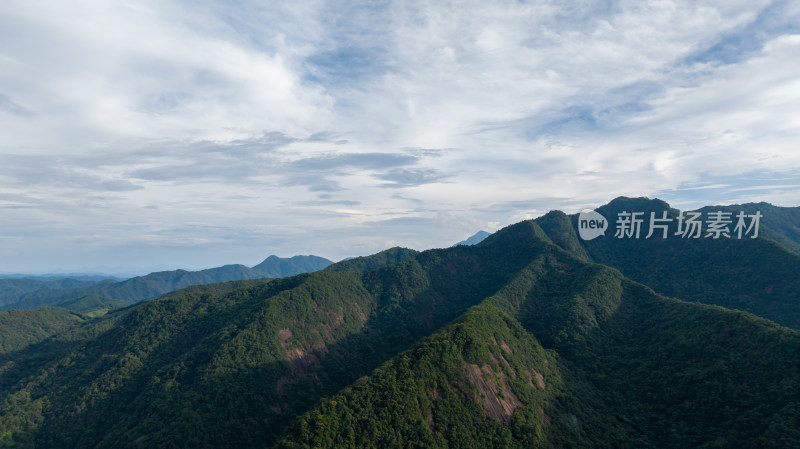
[(532, 338)]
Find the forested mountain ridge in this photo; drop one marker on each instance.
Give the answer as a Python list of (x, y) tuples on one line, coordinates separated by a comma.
[(373, 262), (258, 342), (623, 368), (513, 342), (756, 275)]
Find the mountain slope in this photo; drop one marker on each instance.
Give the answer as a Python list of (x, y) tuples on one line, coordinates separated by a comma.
[(479, 382), (21, 328), (623, 367)]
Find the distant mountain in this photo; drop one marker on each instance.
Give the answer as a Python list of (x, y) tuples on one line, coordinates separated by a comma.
[(276, 267), (30, 294), (15, 290), (63, 276), (515, 342), (475, 239)]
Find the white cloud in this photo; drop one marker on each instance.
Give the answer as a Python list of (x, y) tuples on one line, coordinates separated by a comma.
[(108, 71), (201, 133)]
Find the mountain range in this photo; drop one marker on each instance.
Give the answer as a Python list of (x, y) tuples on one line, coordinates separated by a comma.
[(534, 337), (31, 293)]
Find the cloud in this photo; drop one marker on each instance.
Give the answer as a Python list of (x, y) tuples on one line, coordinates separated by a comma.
[(736, 45), (314, 182), (411, 177), (451, 220), (24, 171), (338, 128), (329, 202), (151, 70), (369, 161), (749, 186), (8, 105)]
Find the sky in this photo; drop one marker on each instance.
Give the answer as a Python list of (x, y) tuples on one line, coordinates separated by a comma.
[(155, 134)]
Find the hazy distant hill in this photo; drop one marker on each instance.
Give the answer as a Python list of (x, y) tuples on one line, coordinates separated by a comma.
[(58, 277), (514, 342), (31, 294), (14, 290), (276, 267), (474, 239)]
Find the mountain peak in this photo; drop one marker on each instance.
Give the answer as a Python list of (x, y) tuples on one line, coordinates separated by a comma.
[(641, 203), (278, 267), (474, 239)]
